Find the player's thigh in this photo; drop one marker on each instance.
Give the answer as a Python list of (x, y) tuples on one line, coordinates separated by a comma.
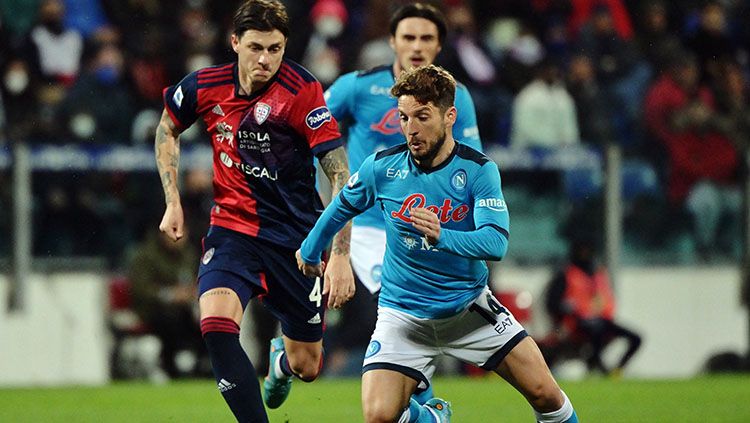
[(304, 355), (386, 393), (524, 368), (221, 302)]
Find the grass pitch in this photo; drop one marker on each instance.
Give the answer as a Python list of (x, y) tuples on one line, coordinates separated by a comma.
[(481, 400)]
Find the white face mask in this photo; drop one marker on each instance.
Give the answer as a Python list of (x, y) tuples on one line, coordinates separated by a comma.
[(329, 26), (16, 81)]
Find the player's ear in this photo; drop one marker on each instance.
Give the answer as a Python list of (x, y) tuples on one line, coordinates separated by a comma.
[(392, 42), (235, 43), (450, 115)]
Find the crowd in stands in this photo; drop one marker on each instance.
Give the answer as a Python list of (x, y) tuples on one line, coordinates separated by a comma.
[(668, 81)]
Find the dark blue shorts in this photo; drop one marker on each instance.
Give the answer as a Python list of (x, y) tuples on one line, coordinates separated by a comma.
[(253, 267)]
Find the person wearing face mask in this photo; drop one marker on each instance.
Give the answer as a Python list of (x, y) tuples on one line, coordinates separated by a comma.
[(582, 306), (106, 116)]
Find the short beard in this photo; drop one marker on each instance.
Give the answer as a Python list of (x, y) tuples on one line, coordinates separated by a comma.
[(430, 154)]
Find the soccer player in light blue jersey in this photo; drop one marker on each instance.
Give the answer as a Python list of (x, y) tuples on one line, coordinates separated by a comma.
[(444, 215)]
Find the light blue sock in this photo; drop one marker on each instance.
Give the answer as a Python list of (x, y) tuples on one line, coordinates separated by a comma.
[(419, 413), (424, 396)]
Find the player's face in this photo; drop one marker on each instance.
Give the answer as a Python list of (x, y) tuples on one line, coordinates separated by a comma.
[(259, 53), (424, 126), (415, 43)]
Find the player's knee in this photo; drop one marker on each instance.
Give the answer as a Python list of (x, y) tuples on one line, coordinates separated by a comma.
[(306, 369), (380, 412), (545, 398)]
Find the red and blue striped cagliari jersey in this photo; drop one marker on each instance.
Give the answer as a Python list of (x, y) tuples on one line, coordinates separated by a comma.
[(263, 147)]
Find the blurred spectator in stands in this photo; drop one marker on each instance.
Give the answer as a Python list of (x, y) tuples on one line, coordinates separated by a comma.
[(19, 17), (594, 108), (544, 114), (54, 50), (583, 11), (733, 104), (322, 54), (85, 16), (197, 201), (702, 161), (712, 42), (99, 107), (655, 35), (162, 274), (523, 55), (582, 307), (468, 60), (619, 68)]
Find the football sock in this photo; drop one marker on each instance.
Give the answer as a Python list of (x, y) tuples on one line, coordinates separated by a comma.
[(281, 367), (566, 414), (417, 413), (424, 396), (234, 373)]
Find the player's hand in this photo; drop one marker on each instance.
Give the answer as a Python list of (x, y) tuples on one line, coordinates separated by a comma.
[(427, 222), (173, 222), (338, 281), (309, 270)]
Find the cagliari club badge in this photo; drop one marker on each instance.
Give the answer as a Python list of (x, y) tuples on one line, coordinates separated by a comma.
[(262, 111)]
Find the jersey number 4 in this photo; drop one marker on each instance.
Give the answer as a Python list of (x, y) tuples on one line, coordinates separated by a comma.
[(316, 295)]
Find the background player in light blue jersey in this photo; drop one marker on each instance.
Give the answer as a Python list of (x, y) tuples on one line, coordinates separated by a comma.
[(444, 215), (362, 100)]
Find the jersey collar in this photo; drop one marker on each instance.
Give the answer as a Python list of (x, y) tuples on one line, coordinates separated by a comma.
[(256, 94), (445, 162)]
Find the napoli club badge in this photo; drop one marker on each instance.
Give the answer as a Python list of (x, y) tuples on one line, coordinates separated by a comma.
[(262, 111)]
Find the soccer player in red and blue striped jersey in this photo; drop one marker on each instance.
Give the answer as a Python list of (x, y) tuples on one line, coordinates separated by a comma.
[(267, 120)]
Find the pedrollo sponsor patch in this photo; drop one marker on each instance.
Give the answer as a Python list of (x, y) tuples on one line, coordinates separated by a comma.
[(317, 117)]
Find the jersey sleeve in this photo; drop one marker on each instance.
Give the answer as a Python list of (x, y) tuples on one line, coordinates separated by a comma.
[(340, 96), (466, 129), (181, 101), (356, 197), (311, 117), (489, 241)]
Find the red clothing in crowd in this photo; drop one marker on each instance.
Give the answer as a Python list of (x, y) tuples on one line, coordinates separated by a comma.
[(693, 155), (587, 297)]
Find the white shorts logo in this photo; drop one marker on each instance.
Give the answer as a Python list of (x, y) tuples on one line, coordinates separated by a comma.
[(207, 256)]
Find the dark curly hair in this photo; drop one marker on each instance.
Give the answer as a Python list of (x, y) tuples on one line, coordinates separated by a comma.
[(427, 84)]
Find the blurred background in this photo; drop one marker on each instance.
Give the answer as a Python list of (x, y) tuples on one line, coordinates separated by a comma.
[(619, 125)]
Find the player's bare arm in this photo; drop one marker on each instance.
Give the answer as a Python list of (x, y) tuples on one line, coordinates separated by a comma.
[(167, 150), (426, 222), (339, 279)]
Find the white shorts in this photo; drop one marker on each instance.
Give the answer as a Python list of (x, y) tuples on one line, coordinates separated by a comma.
[(367, 251), (482, 335)]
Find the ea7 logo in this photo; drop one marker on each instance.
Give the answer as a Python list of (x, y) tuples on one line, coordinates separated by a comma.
[(317, 117), (494, 204)]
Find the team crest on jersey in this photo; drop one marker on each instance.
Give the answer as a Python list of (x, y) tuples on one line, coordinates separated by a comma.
[(458, 180), (317, 117), (207, 256), (262, 111), (224, 133)]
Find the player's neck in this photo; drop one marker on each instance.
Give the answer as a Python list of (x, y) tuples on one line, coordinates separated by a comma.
[(442, 155)]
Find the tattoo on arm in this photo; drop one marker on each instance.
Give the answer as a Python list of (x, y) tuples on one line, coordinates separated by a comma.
[(336, 167), (167, 151)]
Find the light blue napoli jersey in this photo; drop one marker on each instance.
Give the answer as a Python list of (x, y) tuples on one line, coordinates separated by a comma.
[(362, 100), (424, 280)]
